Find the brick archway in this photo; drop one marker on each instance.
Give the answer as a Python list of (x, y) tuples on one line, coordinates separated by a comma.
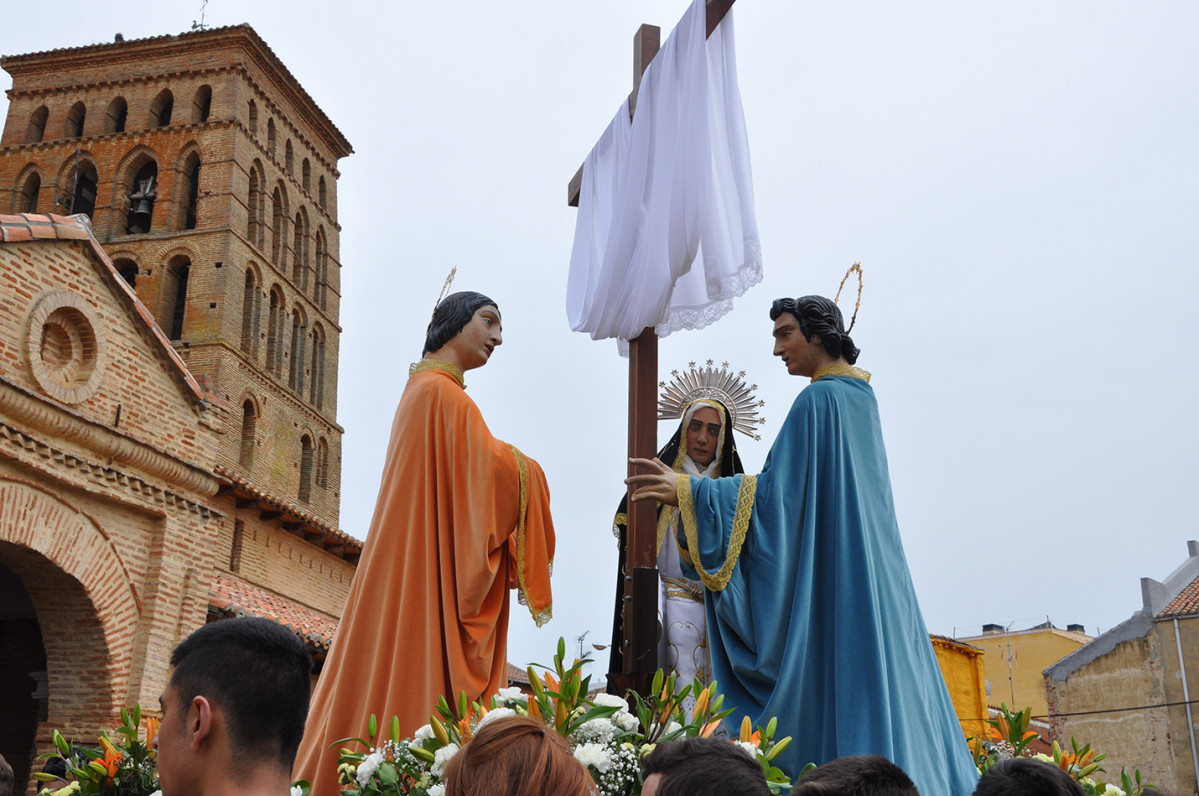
[(85, 602)]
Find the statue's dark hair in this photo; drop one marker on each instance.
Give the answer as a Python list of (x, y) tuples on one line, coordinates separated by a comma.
[(451, 316), (819, 316)]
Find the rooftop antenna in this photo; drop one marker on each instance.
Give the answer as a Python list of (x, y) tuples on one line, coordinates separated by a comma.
[(200, 25)]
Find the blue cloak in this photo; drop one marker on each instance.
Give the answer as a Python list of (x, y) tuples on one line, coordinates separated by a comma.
[(812, 616)]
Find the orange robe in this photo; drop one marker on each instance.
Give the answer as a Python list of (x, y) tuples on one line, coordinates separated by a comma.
[(427, 613)]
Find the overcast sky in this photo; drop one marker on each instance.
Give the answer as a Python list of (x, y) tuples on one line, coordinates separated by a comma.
[(1020, 181)]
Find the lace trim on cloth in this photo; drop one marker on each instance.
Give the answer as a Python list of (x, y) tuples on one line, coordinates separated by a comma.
[(721, 291), (437, 364), (540, 617), (847, 371), (745, 504), (619, 520)]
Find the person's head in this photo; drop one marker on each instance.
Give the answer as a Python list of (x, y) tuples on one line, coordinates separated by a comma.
[(809, 332), (465, 329), (701, 767), (703, 423), (856, 775), (235, 706), (516, 756), (55, 766), (1023, 776), (6, 777)]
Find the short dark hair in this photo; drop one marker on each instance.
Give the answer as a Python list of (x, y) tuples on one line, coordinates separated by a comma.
[(259, 673), (856, 775), (1023, 776), (451, 316), (701, 766), (819, 316), (6, 778)]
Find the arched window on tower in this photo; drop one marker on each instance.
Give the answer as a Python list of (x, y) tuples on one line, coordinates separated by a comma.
[(299, 252), (278, 225), (174, 290), (322, 197), (270, 136), (295, 373), (128, 271), (249, 316), (274, 333), (322, 268), (289, 159), (202, 104), (189, 191), (83, 193), (116, 116), (249, 430), (161, 108), (36, 130), (316, 385), (305, 468), (253, 118), (26, 196), (306, 176), (322, 463), (75, 118), (255, 206), (144, 191)]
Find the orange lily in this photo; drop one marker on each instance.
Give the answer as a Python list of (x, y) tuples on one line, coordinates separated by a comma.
[(151, 731), (709, 728), (112, 757), (746, 729), (534, 709), (701, 703)]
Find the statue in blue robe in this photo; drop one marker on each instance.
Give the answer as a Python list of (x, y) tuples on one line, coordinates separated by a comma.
[(812, 615)]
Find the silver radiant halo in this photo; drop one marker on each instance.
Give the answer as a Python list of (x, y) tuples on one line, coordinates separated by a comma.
[(709, 382)]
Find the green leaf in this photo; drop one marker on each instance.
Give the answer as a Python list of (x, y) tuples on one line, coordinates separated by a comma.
[(387, 774), (656, 688)]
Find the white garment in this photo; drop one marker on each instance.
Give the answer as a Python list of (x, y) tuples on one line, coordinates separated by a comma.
[(671, 184)]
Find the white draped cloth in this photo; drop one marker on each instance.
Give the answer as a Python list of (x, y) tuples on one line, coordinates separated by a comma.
[(668, 188)]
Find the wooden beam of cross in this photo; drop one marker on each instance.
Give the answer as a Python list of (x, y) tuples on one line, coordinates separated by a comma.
[(639, 618)]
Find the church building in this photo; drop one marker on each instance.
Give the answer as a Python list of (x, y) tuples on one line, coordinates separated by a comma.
[(169, 302)]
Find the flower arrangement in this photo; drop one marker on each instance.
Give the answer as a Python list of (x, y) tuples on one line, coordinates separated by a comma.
[(1010, 736), (125, 768), (607, 734)]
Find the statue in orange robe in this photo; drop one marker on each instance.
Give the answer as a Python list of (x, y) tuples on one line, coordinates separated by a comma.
[(461, 519)]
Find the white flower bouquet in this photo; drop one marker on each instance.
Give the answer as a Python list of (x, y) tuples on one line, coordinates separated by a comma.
[(607, 734)]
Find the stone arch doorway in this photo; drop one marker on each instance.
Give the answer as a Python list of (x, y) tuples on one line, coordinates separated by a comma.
[(23, 688), (74, 598)]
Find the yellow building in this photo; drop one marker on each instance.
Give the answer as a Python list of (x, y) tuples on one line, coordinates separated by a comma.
[(1015, 659), (962, 667)]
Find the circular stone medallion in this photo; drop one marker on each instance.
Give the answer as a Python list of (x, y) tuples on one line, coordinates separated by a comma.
[(63, 347)]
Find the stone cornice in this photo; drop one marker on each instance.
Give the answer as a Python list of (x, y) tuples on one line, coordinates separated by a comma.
[(61, 423), (13, 441)]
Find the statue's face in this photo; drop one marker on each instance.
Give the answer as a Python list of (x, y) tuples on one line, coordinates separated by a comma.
[(703, 435), (474, 345), (801, 357)]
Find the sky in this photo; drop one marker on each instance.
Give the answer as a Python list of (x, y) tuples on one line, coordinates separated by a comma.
[(1019, 180)]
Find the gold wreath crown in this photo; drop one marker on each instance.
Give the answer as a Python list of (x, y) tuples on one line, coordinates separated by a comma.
[(707, 382)]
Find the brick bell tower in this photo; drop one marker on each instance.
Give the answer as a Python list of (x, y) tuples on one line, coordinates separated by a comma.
[(210, 176)]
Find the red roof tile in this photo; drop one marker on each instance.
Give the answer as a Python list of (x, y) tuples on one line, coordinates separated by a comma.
[(232, 596), (1185, 604)]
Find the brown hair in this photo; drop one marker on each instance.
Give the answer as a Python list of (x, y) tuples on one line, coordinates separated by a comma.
[(516, 756)]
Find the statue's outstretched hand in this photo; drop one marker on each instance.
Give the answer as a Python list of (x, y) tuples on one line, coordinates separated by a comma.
[(660, 484)]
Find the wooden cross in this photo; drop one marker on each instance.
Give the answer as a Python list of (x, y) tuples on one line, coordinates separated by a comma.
[(640, 578)]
